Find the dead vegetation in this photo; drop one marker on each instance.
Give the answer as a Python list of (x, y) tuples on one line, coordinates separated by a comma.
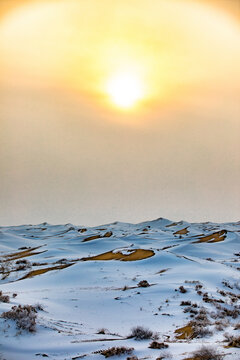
[(233, 341), (141, 333), (182, 289), (113, 351), (158, 345), (185, 303), (25, 317), (102, 331), (4, 298), (221, 324), (143, 283), (164, 356), (22, 264), (206, 353)]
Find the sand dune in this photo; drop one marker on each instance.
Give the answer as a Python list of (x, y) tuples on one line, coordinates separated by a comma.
[(92, 285)]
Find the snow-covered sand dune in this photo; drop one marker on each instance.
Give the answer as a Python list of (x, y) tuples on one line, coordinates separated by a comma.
[(93, 285)]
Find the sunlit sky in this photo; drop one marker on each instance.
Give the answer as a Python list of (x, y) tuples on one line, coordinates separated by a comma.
[(119, 110)]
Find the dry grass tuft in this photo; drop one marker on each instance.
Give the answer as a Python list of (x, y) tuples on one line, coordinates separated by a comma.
[(24, 316), (182, 289), (4, 298), (233, 341), (158, 345), (141, 333), (206, 353), (113, 351), (143, 283)]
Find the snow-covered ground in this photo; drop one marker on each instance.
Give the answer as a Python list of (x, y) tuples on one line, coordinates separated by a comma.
[(88, 282)]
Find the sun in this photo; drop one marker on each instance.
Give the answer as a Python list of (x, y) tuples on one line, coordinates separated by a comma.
[(125, 89)]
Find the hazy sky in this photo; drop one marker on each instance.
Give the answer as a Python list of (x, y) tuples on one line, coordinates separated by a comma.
[(70, 153)]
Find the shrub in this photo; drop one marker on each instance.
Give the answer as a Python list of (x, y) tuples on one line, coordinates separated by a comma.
[(207, 353), (6, 267), (141, 333), (158, 345), (113, 351), (227, 284), (164, 355), (143, 283), (202, 318), (221, 324), (22, 264), (25, 317), (233, 341), (182, 289), (201, 331), (185, 303), (190, 310), (38, 307), (4, 298)]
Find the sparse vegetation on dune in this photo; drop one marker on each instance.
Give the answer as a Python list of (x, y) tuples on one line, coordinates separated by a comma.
[(184, 304), (232, 340), (25, 317), (141, 333), (206, 353), (158, 345), (116, 351), (4, 298)]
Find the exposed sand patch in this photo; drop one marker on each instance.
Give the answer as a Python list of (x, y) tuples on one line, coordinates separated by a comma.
[(43, 271), (107, 234), (173, 224), (94, 237), (212, 238), (134, 255), (97, 340), (22, 254), (182, 231), (82, 230), (185, 332), (162, 271)]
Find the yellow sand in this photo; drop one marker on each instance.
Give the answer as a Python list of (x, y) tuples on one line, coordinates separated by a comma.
[(22, 254), (91, 238), (173, 224), (162, 271), (215, 237), (136, 254), (43, 271), (182, 231), (185, 332), (108, 234)]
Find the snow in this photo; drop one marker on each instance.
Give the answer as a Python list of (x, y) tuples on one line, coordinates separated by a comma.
[(86, 296)]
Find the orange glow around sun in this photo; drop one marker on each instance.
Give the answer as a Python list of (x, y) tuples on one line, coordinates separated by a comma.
[(125, 63)]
